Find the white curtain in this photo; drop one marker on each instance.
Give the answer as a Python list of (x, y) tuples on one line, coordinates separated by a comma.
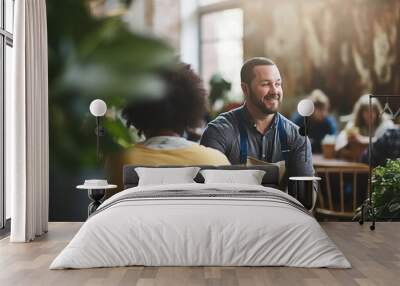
[(27, 144)]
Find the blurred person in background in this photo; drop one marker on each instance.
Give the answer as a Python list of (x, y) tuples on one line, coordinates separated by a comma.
[(163, 122), (320, 123), (385, 147), (354, 138)]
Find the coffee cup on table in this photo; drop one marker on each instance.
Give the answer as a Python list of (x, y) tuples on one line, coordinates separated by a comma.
[(328, 146)]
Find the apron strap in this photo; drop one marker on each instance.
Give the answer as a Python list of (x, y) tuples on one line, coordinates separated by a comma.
[(283, 140)]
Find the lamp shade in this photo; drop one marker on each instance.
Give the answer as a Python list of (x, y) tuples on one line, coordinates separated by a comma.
[(98, 107), (305, 107)]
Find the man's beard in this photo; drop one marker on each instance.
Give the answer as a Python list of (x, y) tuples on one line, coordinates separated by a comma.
[(260, 105)]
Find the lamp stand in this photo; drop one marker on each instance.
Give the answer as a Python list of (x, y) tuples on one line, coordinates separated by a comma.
[(305, 118), (99, 131), (96, 197)]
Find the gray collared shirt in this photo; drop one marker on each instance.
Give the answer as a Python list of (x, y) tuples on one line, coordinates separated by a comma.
[(223, 134)]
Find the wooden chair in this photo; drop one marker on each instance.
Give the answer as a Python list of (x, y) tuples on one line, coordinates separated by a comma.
[(343, 188)]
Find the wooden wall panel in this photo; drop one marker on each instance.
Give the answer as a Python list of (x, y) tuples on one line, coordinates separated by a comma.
[(346, 48)]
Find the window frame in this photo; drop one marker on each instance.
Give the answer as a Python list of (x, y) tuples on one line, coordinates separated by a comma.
[(209, 9), (219, 6), (6, 39)]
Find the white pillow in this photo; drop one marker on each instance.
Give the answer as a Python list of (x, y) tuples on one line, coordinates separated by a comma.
[(247, 177), (164, 176)]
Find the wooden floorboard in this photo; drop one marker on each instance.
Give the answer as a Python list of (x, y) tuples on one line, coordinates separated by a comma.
[(374, 255)]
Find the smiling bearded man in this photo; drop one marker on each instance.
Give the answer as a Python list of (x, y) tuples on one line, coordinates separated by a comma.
[(257, 129)]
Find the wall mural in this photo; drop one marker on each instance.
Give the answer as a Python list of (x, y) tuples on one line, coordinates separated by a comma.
[(346, 48)]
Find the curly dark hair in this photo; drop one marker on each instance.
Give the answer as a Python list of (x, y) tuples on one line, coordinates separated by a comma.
[(182, 105)]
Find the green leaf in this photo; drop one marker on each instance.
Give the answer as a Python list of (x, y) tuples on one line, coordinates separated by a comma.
[(117, 47), (118, 131), (386, 188)]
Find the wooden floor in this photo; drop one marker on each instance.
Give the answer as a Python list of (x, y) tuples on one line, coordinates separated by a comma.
[(375, 257)]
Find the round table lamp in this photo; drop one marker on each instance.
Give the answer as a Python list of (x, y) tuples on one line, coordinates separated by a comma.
[(305, 107), (98, 108)]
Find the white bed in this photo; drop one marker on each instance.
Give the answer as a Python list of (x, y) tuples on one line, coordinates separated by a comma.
[(221, 225)]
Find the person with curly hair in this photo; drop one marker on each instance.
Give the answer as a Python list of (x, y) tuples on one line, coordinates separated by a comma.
[(163, 122)]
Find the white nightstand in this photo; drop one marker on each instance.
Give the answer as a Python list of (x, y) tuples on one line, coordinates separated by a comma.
[(96, 192)]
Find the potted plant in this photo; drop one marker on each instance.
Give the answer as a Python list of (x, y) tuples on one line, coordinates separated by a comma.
[(385, 197), (386, 190)]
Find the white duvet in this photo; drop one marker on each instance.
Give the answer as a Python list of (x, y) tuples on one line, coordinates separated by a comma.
[(183, 231)]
